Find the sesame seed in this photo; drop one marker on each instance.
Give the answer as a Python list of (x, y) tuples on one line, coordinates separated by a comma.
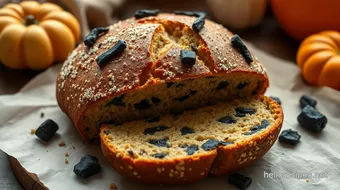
[(182, 174), (202, 173), (135, 173)]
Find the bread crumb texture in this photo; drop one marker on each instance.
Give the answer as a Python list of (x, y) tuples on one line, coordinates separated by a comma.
[(185, 147)]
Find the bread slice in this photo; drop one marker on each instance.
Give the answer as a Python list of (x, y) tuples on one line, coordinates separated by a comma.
[(148, 78), (185, 147)]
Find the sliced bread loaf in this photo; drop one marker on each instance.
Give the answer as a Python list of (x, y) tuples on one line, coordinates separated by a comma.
[(185, 147), (149, 76)]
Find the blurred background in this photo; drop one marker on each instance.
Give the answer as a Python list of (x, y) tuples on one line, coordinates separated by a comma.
[(274, 26), (253, 20)]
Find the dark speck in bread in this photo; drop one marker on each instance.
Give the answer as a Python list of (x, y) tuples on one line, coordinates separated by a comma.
[(160, 155), (155, 100), (187, 130), (242, 85), (152, 119), (227, 120), (212, 144), (160, 142), (142, 105), (192, 149), (117, 101), (153, 130), (264, 124), (222, 85), (242, 111)]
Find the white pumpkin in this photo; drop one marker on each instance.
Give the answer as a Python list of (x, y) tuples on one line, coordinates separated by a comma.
[(238, 14)]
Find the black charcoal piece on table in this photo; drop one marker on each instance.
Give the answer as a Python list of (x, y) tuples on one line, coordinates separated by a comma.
[(307, 100), (88, 166), (47, 130), (239, 180), (290, 137), (312, 119)]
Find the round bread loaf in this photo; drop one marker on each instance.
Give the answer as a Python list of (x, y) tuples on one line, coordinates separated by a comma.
[(148, 78), (183, 148)]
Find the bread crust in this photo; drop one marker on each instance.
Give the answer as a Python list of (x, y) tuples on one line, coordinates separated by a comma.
[(82, 83), (223, 160)]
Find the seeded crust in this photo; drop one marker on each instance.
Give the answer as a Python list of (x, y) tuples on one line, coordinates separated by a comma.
[(182, 168), (82, 84)]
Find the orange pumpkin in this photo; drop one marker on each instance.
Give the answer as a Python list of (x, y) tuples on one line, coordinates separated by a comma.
[(302, 18), (34, 35), (319, 59)]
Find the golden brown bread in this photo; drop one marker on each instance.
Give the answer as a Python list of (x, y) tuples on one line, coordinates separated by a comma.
[(131, 152), (151, 59)]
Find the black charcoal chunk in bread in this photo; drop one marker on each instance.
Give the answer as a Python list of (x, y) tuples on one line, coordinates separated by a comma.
[(155, 100), (264, 124), (187, 130), (227, 120), (117, 101), (222, 85), (152, 119), (143, 104), (185, 97), (212, 144), (242, 111), (160, 142), (160, 155), (169, 84), (153, 130), (111, 122), (131, 153), (242, 85), (87, 166), (192, 149), (179, 85)]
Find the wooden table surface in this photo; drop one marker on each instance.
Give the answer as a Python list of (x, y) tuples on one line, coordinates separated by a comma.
[(267, 36)]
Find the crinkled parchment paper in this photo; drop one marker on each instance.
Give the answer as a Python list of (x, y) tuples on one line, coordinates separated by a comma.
[(313, 164)]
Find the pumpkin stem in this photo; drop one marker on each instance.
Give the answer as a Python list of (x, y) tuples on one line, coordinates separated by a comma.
[(30, 19)]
